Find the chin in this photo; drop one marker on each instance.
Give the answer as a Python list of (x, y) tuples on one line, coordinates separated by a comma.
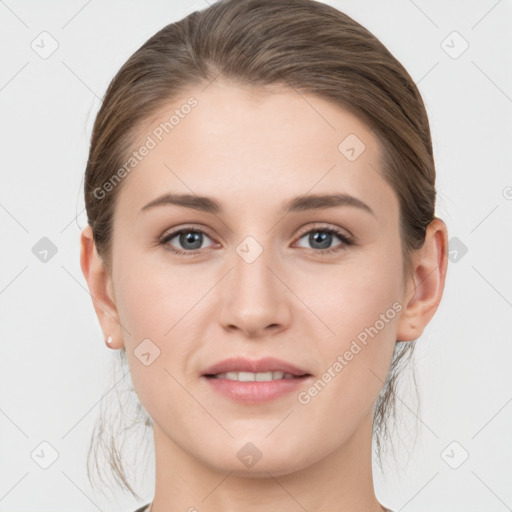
[(250, 462)]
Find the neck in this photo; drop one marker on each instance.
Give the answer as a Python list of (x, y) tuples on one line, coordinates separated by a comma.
[(342, 481)]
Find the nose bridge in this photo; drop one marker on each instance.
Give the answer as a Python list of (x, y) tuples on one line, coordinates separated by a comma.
[(251, 275), (253, 296)]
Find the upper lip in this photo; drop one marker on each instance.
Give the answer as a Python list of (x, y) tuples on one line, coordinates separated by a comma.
[(267, 364)]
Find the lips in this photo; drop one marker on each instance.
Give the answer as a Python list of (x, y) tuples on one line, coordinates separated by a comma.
[(267, 364)]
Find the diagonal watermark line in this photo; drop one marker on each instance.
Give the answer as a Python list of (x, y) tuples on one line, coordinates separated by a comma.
[(14, 424), (307, 191), (95, 300), (81, 80), (482, 18), (492, 81), (411, 411), (80, 490), (76, 14), (13, 217), (424, 14), (280, 423), (217, 486), (14, 76), (71, 221), (13, 279), (200, 404), (506, 505), (199, 300), (287, 492), (405, 504), (484, 218), (3, 3), (14, 485), (210, 82), (186, 185), (503, 297), (101, 398), (301, 300), (417, 83), (503, 407)]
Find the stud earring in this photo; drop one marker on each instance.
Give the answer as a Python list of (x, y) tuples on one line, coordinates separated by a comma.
[(109, 339)]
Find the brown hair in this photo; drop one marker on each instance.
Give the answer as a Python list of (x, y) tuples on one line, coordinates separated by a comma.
[(300, 44)]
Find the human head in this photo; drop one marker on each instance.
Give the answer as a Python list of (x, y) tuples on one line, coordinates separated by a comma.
[(262, 46)]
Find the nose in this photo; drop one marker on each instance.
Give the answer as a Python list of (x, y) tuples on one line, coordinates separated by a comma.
[(254, 299)]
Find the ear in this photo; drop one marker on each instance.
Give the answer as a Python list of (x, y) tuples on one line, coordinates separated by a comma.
[(101, 289), (425, 287)]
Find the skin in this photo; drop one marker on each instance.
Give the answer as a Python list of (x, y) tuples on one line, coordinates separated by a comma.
[(253, 150)]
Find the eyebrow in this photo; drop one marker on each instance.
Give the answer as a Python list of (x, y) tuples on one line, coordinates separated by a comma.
[(302, 203)]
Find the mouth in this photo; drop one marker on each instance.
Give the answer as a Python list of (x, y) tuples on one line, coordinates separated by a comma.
[(249, 370), (256, 377), (249, 381)]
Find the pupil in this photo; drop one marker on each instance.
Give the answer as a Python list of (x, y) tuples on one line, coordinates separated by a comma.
[(321, 237), (324, 237), (191, 237)]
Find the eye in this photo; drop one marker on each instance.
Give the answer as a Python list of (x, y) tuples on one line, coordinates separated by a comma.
[(321, 239), (189, 239)]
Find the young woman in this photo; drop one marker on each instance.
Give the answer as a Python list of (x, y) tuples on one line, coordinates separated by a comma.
[(262, 249)]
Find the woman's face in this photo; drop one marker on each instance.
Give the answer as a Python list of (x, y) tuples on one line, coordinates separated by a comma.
[(260, 281)]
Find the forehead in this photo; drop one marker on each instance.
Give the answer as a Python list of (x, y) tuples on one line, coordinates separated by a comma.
[(237, 143)]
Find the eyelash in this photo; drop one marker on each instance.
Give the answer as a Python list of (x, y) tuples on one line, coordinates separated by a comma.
[(346, 241)]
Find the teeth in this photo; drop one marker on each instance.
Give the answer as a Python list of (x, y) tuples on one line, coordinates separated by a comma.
[(254, 377)]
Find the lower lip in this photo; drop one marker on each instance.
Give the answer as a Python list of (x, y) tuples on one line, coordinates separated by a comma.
[(257, 391)]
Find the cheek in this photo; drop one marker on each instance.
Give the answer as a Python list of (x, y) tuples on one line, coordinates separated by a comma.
[(152, 297), (360, 304), (352, 296), (343, 299), (156, 308)]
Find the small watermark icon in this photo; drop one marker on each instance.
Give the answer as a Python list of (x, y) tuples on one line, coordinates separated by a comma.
[(44, 455), (455, 455), (249, 455), (146, 352), (45, 45), (456, 249), (351, 147), (44, 250), (249, 249), (454, 45)]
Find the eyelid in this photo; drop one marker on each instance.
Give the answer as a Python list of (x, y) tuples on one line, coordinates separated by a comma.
[(171, 233), (307, 229), (186, 227), (321, 226), (345, 236)]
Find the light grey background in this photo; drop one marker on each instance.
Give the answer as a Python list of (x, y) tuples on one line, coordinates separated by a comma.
[(54, 365)]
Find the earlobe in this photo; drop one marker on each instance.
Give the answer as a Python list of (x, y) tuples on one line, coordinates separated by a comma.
[(426, 285), (100, 288)]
